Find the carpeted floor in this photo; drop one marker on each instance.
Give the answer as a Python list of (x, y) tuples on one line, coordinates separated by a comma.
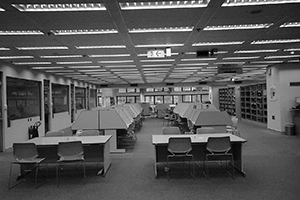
[(271, 162)]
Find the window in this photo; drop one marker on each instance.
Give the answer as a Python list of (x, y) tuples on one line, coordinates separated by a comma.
[(159, 99), (23, 98), (122, 90), (205, 98), (176, 99), (149, 99), (160, 89), (80, 98), (130, 90), (93, 94), (149, 89), (196, 98), (177, 89), (130, 100), (168, 99), (121, 100), (60, 98), (186, 89), (186, 98)]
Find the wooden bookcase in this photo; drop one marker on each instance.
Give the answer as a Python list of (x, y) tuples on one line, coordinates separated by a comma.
[(227, 100), (254, 102)]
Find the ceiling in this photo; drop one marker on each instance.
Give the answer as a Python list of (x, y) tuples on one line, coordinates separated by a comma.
[(119, 57)]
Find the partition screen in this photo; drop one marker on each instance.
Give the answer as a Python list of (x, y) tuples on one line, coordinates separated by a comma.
[(23, 98), (60, 98)]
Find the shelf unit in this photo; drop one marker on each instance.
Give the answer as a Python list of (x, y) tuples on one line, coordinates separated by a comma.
[(254, 102), (227, 100)]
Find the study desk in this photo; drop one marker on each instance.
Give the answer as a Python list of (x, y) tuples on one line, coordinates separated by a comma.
[(96, 149), (199, 142)]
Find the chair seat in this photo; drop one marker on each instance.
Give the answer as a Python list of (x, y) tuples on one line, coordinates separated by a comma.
[(71, 158), (30, 161)]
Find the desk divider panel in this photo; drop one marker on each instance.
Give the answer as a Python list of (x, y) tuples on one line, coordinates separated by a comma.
[(88, 119)]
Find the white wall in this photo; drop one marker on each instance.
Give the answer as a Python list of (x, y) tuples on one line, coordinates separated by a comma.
[(279, 77)]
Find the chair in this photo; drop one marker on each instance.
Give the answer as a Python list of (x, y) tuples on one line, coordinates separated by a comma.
[(70, 152), (54, 134), (180, 147), (233, 128), (26, 154), (172, 130), (204, 130), (166, 117), (218, 150)]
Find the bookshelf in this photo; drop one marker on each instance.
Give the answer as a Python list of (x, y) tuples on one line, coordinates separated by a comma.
[(227, 100), (254, 102)]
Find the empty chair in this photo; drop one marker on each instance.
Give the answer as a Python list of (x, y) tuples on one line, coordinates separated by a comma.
[(70, 152), (204, 130), (180, 147), (26, 154), (54, 134), (218, 150), (172, 130)]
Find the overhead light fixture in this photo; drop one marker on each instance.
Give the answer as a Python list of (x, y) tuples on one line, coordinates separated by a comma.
[(27, 32), (63, 56), (290, 24), (160, 60), (237, 27), (76, 62), (1, 9), (275, 41), (61, 71), (159, 45), (116, 61), (286, 56), (198, 59), (230, 63), (83, 67), (191, 64), (218, 43), (144, 54), (4, 49), (101, 47), (158, 65), (293, 49), (15, 57), (32, 63), (160, 30), (256, 2), (83, 32), (241, 58), (119, 66), (43, 48), (92, 70), (47, 67), (59, 7), (163, 5), (267, 62), (258, 51), (108, 55)]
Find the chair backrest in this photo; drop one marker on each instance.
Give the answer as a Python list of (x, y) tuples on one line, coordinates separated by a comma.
[(26, 151), (204, 130), (54, 134), (171, 130), (218, 144), (67, 131), (70, 148), (234, 121), (179, 145)]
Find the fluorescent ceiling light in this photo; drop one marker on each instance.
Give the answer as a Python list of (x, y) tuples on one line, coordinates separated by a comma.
[(83, 32), (258, 51), (59, 7), (82, 67), (268, 62), (145, 55), (290, 24), (122, 66), (192, 64), (29, 32), (229, 63), (158, 65), (296, 49), (160, 30), (159, 45), (163, 5), (275, 41), (1, 9), (241, 58), (198, 59), (4, 49), (101, 47), (236, 27), (217, 43), (286, 56), (42, 48), (47, 67), (116, 61), (92, 70), (108, 55), (61, 71), (76, 62), (160, 60), (217, 52), (15, 57), (32, 63), (63, 56), (256, 2), (294, 61)]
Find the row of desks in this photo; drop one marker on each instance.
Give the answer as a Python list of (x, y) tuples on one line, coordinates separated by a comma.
[(97, 148)]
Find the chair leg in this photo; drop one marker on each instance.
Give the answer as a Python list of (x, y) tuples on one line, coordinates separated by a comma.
[(84, 175), (37, 166), (10, 171), (168, 168)]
